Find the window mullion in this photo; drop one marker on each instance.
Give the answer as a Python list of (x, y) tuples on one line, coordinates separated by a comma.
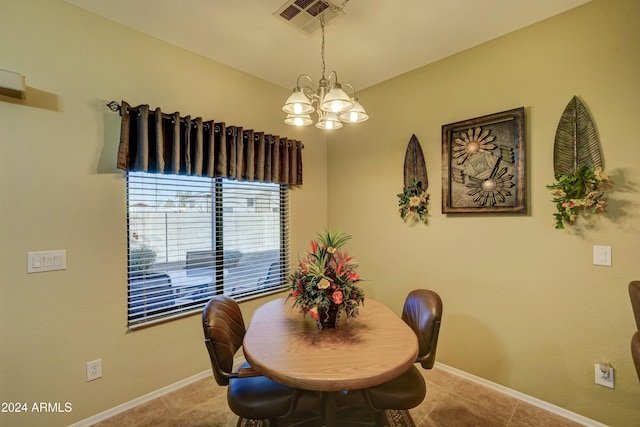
[(218, 235)]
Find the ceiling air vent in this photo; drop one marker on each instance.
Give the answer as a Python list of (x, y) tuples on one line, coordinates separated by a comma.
[(305, 14)]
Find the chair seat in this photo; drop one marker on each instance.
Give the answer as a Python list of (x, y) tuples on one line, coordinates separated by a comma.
[(404, 392), (259, 397)]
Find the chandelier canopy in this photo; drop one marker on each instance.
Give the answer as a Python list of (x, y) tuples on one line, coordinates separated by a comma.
[(332, 104)]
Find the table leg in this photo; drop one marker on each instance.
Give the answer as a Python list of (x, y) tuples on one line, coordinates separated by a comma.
[(329, 409)]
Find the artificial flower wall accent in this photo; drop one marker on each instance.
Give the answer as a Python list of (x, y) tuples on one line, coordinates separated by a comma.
[(413, 202), (580, 194), (579, 190)]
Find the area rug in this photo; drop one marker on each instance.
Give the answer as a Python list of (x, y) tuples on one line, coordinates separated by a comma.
[(392, 419)]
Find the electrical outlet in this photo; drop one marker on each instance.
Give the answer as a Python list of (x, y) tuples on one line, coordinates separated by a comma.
[(604, 374), (94, 370)]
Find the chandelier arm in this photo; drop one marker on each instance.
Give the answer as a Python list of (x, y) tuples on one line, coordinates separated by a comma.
[(310, 89), (308, 77), (335, 77), (352, 89)]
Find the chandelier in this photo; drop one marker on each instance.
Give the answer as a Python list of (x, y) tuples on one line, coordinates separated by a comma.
[(332, 104)]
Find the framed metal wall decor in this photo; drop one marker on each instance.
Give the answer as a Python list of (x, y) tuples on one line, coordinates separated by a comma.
[(483, 164)]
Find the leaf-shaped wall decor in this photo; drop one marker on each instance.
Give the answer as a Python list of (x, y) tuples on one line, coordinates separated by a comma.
[(576, 144), (415, 168)]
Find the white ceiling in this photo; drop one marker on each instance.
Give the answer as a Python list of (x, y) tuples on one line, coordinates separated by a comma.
[(374, 41)]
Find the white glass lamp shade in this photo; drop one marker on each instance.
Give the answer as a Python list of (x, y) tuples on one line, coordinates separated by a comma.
[(355, 115), (336, 101), (298, 120), (329, 121), (298, 103)]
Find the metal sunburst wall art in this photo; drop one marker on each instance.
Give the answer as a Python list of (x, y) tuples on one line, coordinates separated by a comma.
[(483, 164), (580, 184)]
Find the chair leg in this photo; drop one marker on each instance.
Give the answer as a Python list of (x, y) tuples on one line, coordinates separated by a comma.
[(379, 418)]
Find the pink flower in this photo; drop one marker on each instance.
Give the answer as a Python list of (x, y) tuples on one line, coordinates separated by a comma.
[(314, 313), (353, 276), (337, 297)]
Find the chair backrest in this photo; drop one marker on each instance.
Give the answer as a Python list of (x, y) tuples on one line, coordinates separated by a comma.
[(635, 351), (634, 294), (223, 334), (423, 313)]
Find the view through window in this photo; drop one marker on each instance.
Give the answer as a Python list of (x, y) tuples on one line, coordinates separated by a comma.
[(191, 238)]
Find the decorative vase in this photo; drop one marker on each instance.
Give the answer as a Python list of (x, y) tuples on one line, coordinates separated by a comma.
[(328, 318)]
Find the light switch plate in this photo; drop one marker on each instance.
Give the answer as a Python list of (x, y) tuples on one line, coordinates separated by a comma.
[(38, 262), (602, 255)]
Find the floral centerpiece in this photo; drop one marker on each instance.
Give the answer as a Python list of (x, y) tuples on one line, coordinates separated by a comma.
[(324, 284), (413, 203), (580, 193)]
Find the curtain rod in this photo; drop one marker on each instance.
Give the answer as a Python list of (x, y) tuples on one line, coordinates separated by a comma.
[(117, 108)]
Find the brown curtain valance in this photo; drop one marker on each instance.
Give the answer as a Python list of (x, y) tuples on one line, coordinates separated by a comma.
[(153, 141)]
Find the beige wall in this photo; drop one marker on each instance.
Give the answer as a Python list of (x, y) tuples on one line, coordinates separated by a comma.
[(59, 189), (523, 304)]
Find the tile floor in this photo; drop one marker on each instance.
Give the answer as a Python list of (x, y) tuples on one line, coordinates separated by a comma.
[(451, 401)]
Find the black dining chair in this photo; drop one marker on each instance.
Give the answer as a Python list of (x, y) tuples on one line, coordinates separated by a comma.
[(249, 394), (423, 313), (634, 294)]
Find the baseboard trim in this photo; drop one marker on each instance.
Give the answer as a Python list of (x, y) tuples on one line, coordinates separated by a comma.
[(521, 396), (141, 400), (185, 382)]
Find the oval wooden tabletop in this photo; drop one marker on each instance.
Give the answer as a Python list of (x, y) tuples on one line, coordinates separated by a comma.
[(368, 350)]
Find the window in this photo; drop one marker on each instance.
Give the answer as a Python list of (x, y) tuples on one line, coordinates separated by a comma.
[(190, 238)]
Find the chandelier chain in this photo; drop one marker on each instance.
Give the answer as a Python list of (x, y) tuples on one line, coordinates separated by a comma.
[(322, 46), (335, 9)]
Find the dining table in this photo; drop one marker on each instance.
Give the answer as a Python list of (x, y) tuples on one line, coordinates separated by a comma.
[(288, 347)]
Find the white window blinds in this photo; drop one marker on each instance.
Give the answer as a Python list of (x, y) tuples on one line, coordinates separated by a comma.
[(192, 237)]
